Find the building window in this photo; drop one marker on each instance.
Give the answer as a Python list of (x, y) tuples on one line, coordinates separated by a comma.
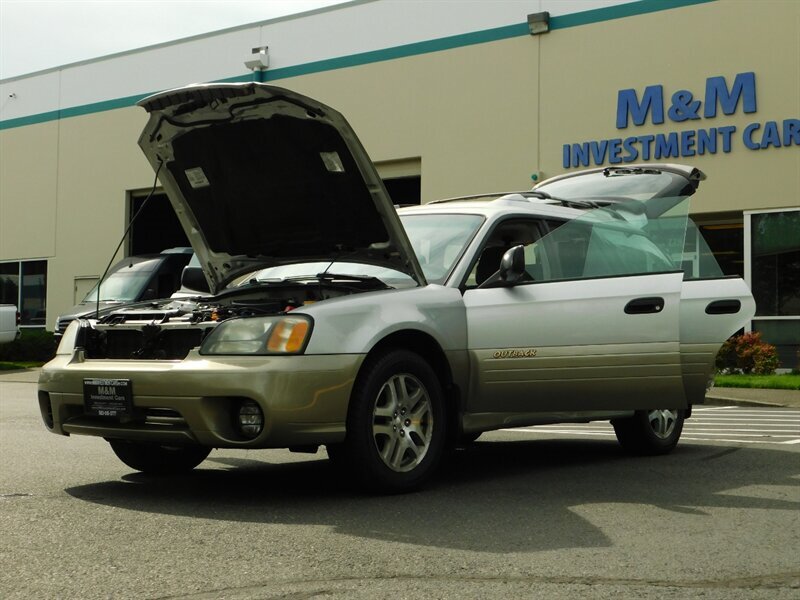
[(404, 190), (403, 179), (24, 284), (726, 242), (156, 228), (774, 276), (776, 263)]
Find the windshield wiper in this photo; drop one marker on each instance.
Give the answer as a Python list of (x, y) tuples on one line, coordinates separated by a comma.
[(112, 300), (328, 277), (563, 201)]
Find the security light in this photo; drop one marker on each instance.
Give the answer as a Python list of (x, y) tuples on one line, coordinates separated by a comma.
[(259, 60), (539, 22)]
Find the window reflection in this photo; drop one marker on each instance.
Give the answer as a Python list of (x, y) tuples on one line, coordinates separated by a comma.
[(776, 263), (24, 284)]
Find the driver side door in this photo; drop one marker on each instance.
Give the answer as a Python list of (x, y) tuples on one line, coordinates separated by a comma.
[(594, 327)]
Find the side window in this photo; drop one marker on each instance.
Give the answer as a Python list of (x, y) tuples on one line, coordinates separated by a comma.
[(618, 240), (569, 248), (506, 235)]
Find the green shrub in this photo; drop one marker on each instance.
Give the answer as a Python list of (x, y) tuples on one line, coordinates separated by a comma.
[(35, 345), (747, 353)]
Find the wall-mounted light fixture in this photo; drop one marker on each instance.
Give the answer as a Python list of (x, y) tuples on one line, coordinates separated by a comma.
[(260, 59), (539, 23)]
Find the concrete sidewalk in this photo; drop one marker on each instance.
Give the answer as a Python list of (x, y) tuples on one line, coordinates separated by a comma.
[(21, 376), (718, 395), (753, 397)]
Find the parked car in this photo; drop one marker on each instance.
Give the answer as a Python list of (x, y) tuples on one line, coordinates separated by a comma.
[(134, 279), (9, 323), (335, 321), (193, 281)]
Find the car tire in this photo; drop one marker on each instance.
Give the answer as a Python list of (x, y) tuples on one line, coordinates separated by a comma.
[(650, 432), (159, 460), (396, 425), (336, 453)]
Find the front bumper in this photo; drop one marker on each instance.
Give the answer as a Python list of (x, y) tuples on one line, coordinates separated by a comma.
[(304, 398)]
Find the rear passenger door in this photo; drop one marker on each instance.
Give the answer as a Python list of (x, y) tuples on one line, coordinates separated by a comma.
[(713, 307)]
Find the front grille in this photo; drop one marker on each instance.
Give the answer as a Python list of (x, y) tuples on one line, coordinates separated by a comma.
[(131, 344), (143, 419)]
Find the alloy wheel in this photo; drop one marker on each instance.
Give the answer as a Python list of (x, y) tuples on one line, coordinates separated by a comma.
[(402, 422), (662, 422)]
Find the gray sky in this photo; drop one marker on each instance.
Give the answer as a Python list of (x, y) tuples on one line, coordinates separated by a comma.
[(40, 34)]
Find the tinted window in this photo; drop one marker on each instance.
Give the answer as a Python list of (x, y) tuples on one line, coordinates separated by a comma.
[(126, 283), (618, 240)]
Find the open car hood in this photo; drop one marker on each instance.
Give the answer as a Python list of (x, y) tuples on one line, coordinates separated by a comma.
[(261, 176)]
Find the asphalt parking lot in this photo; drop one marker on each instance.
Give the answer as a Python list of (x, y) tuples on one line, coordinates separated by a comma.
[(518, 514)]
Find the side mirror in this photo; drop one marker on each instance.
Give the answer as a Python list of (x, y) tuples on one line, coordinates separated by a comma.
[(512, 265), (511, 271)]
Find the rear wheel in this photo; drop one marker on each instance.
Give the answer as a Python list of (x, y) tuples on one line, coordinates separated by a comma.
[(650, 431), (396, 423), (159, 460)]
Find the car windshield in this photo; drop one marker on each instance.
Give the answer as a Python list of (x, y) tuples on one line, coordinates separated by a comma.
[(438, 241), (310, 270), (126, 283)]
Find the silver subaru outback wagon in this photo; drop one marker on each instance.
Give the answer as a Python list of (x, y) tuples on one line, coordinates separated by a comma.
[(388, 336)]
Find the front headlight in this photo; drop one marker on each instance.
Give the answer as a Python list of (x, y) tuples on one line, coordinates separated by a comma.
[(259, 335)]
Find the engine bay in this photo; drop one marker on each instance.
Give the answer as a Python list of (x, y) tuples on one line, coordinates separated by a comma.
[(169, 329)]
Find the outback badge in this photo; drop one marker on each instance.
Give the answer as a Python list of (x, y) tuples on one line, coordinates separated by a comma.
[(515, 353)]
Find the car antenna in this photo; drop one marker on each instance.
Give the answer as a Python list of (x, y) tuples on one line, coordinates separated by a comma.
[(124, 235)]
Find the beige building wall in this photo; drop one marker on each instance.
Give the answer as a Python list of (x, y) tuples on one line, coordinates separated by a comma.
[(583, 68), (469, 113), (29, 159), (99, 163), (472, 119)]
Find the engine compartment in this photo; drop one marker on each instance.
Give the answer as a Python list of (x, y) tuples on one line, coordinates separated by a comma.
[(169, 329)]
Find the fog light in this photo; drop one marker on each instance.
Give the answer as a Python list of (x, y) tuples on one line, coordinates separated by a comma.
[(250, 419)]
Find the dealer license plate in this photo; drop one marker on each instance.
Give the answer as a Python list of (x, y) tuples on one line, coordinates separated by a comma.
[(108, 397)]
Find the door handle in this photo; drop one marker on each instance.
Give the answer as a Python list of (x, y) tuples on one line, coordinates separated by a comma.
[(724, 307), (644, 306)]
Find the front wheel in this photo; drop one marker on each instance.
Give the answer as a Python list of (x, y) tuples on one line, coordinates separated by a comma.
[(159, 460), (650, 432), (396, 423)]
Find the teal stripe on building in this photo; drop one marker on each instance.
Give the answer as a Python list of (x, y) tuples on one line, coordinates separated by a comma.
[(588, 17)]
